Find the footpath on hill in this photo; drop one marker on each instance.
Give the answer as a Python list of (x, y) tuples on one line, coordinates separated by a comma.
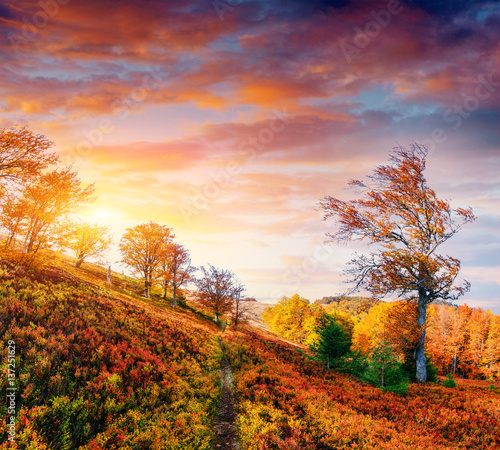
[(225, 421)]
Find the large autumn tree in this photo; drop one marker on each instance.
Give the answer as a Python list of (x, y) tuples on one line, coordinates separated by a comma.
[(403, 218), (143, 248)]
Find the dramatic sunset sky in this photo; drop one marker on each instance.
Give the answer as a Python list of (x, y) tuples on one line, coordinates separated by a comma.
[(229, 121)]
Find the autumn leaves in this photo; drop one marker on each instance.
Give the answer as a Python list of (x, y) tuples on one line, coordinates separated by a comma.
[(37, 199), (403, 217), (148, 249)]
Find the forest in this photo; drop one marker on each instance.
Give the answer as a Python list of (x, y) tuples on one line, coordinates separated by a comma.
[(101, 360)]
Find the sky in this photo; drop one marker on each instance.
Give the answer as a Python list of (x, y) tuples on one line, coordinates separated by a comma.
[(229, 120)]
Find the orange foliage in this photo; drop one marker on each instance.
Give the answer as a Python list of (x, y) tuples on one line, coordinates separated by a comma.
[(402, 215), (389, 323), (464, 341), (288, 402), (143, 248), (97, 372)]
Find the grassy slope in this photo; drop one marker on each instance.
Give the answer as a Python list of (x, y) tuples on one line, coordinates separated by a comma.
[(288, 402), (100, 368)]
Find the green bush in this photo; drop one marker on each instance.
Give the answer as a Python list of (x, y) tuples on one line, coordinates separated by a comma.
[(450, 381)]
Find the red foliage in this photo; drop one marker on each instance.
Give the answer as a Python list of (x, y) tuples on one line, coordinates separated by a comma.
[(98, 372), (286, 401)]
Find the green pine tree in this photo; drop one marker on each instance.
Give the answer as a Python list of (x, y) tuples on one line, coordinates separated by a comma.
[(385, 371), (333, 342)]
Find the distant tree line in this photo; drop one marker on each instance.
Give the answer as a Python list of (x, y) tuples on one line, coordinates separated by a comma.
[(463, 341)]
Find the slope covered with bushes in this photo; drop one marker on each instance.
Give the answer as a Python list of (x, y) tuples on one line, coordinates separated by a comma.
[(95, 371), (288, 402)]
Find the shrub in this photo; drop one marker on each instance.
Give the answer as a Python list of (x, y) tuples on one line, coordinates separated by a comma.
[(354, 363), (431, 371), (450, 381)]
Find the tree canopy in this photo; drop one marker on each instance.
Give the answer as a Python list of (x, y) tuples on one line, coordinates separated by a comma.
[(404, 218), (23, 154), (143, 247), (86, 239), (217, 289)]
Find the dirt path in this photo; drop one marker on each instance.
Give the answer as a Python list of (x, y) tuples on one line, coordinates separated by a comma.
[(225, 426)]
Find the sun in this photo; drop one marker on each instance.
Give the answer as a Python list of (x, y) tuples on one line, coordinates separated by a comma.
[(99, 215)]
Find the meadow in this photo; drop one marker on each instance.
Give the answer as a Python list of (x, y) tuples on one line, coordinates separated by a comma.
[(96, 371), (97, 367)]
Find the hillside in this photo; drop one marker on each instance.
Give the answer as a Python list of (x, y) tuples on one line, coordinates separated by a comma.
[(354, 306), (100, 367), (286, 401), (97, 368)]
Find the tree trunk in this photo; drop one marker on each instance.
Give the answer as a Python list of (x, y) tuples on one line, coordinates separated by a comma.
[(420, 351), (237, 313), (175, 295), (79, 261), (216, 317)]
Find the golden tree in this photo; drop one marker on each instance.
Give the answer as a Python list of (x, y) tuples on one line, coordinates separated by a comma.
[(48, 200), (401, 215), (86, 240), (143, 248)]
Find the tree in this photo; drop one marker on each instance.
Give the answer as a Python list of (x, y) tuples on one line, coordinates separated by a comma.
[(404, 217), (448, 334), (86, 239), (48, 200), (385, 371), (143, 248), (216, 290), (13, 213), (23, 154), (333, 340), (179, 269), (478, 327), (293, 318), (240, 305), (492, 356)]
